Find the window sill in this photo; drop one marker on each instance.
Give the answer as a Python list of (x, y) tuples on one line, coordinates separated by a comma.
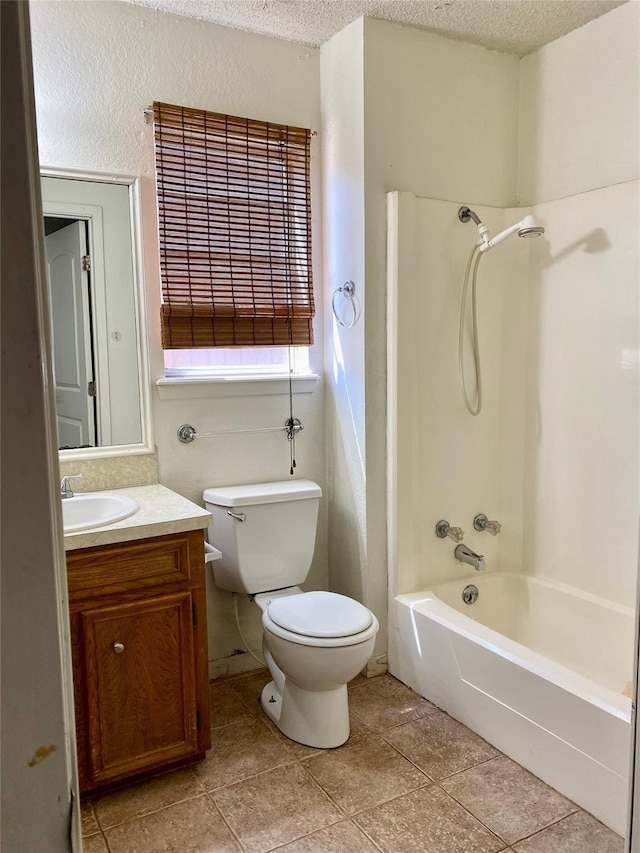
[(186, 388)]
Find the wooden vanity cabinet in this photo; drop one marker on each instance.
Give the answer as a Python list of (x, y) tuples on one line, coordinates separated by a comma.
[(139, 645)]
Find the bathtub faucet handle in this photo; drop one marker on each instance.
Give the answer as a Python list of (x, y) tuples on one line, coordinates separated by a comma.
[(444, 529), (481, 522)]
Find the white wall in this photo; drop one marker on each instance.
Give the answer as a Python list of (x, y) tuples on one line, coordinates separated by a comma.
[(429, 128), (416, 116), (579, 108), (343, 205), (97, 67)]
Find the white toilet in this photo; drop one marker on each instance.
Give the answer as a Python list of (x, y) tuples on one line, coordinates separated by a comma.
[(313, 642)]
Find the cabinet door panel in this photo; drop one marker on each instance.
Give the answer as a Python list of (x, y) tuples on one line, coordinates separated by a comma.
[(140, 684)]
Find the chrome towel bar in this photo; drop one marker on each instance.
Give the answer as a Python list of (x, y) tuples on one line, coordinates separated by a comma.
[(187, 433)]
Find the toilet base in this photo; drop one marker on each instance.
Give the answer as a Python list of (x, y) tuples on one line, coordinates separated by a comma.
[(313, 718)]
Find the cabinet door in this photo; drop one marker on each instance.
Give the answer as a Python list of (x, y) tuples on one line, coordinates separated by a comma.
[(139, 675)]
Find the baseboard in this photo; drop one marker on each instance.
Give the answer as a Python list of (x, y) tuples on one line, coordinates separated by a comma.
[(232, 665), (377, 665)]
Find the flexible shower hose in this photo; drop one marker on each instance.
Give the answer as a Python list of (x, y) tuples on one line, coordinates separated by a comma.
[(474, 261)]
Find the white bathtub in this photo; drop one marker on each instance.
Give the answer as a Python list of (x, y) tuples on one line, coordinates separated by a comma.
[(537, 669)]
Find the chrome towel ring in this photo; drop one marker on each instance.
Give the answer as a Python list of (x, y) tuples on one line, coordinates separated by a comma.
[(348, 290)]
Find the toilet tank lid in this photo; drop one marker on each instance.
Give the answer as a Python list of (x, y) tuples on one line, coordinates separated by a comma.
[(262, 493)]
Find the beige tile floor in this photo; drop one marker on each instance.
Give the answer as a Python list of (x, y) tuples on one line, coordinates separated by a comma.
[(409, 780)]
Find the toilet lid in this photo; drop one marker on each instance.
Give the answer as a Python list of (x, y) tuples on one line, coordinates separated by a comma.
[(320, 614)]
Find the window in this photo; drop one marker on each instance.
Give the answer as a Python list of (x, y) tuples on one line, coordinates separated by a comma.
[(239, 361), (235, 239)]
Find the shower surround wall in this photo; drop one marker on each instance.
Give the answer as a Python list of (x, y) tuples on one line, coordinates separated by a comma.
[(579, 169), (554, 455), (443, 462)]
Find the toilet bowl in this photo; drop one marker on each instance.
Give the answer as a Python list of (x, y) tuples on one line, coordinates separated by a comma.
[(314, 643)]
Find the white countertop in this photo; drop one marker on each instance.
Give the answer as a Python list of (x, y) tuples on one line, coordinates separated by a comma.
[(161, 511)]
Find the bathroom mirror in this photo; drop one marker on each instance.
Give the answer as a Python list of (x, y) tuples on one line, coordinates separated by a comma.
[(97, 313)]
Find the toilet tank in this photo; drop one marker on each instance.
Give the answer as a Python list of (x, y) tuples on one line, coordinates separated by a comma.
[(269, 543)]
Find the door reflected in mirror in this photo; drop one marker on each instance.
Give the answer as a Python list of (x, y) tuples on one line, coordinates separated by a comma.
[(95, 326)]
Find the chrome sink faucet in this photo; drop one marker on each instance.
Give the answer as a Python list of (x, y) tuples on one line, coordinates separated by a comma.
[(65, 489), (466, 555)]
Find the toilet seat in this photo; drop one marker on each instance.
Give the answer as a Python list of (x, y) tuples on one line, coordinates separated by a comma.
[(320, 614), (321, 619)]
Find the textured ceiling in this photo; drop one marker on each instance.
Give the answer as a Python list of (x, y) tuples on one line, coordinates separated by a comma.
[(514, 26)]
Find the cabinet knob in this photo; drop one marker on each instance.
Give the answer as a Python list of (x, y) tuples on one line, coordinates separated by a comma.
[(118, 648)]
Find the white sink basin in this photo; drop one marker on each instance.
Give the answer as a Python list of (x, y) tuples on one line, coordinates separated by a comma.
[(94, 509)]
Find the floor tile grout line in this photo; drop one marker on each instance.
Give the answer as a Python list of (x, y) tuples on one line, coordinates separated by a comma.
[(341, 816), (306, 835), (475, 817), (227, 824), (577, 810), (436, 785), (393, 726), (154, 811), (355, 815), (443, 778), (106, 842), (346, 819), (406, 757), (475, 766), (429, 781), (494, 832), (326, 793), (291, 759), (265, 722), (252, 776), (150, 779), (239, 697), (366, 834), (470, 767), (93, 814), (237, 723)]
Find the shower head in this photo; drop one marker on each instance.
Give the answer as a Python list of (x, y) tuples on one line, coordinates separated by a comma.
[(530, 226)]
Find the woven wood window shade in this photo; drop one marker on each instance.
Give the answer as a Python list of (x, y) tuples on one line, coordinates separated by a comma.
[(234, 225)]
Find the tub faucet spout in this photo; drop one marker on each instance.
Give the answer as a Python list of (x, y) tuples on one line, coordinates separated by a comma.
[(466, 555)]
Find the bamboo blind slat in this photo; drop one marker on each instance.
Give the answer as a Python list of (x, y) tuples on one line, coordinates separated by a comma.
[(234, 222)]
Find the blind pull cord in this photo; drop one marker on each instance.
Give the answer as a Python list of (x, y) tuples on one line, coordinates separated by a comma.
[(291, 432)]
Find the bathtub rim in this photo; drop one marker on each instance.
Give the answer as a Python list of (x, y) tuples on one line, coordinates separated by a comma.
[(431, 606)]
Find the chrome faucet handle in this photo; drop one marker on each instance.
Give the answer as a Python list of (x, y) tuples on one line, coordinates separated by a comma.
[(65, 489), (481, 522), (444, 529)]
